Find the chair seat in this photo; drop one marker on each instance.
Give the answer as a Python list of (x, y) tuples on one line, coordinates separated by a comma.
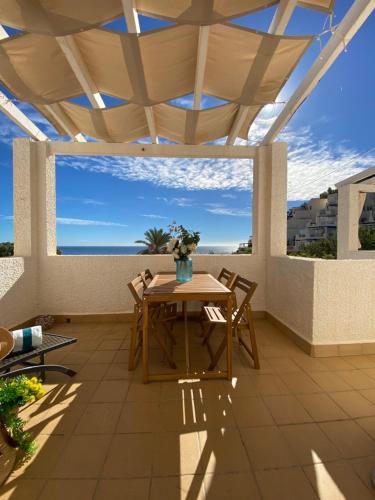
[(214, 314)]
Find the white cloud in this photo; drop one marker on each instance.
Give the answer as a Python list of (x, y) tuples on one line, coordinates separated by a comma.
[(179, 201), (154, 216), (85, 201), (229, 196), (234, 212), (84, 222), (6, 217)]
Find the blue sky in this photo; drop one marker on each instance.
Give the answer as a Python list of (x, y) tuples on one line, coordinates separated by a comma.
[(112, 201)]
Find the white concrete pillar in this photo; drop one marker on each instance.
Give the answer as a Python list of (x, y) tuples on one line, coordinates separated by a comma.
[(34, 199), (270, 199), (347, 221)]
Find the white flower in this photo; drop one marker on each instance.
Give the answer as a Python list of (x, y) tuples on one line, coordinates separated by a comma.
[(183, 249), (191, 247), (171, 244), (176, 255)]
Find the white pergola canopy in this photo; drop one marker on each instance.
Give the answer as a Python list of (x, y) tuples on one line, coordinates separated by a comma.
[(63, 53)]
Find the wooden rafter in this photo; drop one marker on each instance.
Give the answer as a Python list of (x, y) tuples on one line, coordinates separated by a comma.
[(132, 23), (351, 23), (204, 32), (73, 56)]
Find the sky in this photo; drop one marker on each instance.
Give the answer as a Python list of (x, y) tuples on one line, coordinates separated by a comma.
[(112, 201)]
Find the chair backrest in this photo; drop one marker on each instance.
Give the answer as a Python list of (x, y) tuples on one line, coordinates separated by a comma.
[(146, 276), (227, 278), (137, 287), (248, 288)]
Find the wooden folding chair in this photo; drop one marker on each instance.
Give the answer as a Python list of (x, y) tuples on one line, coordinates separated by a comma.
[(146, 276), (227, 278), (161, 316), (242, 319)]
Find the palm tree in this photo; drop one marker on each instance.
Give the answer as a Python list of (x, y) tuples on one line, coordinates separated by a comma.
[(155, 241)]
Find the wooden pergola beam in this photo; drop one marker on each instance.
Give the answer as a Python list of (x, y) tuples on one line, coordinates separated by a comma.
[(278, 25), (150, 150), (351, 23), (204, 32), (15, 114), (132, 24), (73, 56), (63, 121)]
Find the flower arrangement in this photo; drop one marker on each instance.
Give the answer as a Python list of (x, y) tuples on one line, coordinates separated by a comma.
[(183, 242), (14, 393)]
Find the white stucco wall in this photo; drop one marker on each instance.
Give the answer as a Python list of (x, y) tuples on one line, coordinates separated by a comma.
[(290, 293), (344, 301), (98, 284), (18, 290)]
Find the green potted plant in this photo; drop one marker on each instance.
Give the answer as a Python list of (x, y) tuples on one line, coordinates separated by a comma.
[(16, 445)]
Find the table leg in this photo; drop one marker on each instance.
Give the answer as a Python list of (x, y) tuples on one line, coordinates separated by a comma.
[(229, 337), (187, 351), (145, 342)]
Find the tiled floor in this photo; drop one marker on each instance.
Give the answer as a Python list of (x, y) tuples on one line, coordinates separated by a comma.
[(299, 428)]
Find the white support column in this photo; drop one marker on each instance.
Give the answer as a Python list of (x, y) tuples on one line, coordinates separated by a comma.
[(259, 209), (347, 221), (34, 199), (132, 24), (46, 200)]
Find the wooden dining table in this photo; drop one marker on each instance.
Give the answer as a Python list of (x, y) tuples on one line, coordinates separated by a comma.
[(203, 287)]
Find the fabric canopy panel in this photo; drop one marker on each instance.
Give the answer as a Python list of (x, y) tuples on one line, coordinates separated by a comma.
[(58, 17), (207, 12), (34, 69), (63, 17), (150, 68), (248, 67), (242, 65), (128, 122)]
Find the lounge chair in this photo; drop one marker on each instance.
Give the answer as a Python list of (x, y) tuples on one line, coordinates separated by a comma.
[(50, 343)]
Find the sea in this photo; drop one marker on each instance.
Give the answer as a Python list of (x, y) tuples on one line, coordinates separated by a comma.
[(134, 250)]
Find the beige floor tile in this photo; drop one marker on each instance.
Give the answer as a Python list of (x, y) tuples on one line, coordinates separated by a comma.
[(321, 407), (72, 489), (267, 448), (336, 480), (21, 489), (364, 468), (143, 392), (368, 394), (102, 357), (361, 362), (284, 365), (337, 363), (368, 424), (122, 489), (222, 451), (52, 419), (308, 364), (42, 463), (178, 488), (309, 444), (287, 410), (111, 391), (129, 456), (139, 416), (285, 484), (77, 357), (110, 345), (72, 393), (251, 412), (93, 371), (357, 379), (238, 486), (300, 384), (83, 456), (118, 371), (353, 403), (349, 438), (330, 381), (99, 418), (121, 356), (177, 454), (267, 385)]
